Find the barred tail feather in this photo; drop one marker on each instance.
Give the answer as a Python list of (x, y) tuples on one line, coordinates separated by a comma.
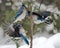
[(24, 38)]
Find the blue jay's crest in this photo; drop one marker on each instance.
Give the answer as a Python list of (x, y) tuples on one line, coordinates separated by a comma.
[(20, 12)]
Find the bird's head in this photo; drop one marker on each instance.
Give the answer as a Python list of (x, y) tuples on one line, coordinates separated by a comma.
[(17, 25), (48, 21), (24, 5)]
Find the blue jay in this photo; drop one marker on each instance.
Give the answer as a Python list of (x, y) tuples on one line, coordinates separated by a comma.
[(17, 34), (20, 11), (42, 15)]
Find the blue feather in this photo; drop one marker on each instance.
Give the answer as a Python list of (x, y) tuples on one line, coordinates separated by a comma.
[(17, 34), (24, 38), (19, 12), (41, 16), (42, 19), (46, 13)]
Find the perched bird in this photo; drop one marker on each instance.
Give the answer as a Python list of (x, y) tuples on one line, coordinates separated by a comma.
[(20, 11), (20, 14), (18, 34), (42, 15)]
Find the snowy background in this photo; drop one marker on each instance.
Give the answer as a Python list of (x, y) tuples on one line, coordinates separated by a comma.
[(42, 39)]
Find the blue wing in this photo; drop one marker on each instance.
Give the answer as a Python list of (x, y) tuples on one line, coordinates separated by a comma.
[(46, 13), (42, 15), (19, 12), (24, 38)]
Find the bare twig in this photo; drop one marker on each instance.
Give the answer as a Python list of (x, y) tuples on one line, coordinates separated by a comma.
[(31, 19)]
